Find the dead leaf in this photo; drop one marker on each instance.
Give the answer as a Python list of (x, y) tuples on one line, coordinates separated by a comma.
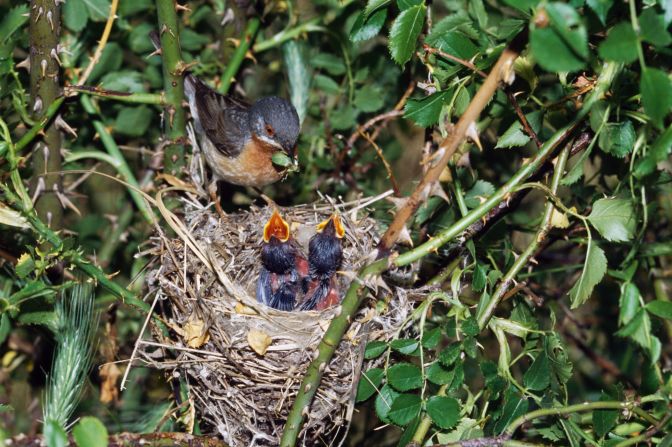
[(244, 310), (195, 332), (109, 375), (259, 341), (559, 219)]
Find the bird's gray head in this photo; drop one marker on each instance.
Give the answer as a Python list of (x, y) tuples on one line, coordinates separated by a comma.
[(275, 121)]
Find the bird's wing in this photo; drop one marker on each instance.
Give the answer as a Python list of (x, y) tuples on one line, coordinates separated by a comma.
[(222, 118), (264, 292)]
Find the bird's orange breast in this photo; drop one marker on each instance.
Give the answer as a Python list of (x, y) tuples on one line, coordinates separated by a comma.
[(252, 167)]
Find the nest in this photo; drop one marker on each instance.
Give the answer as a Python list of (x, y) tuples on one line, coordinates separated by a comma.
[(243, 361)]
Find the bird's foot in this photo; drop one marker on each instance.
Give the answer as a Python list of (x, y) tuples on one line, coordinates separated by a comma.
[(212, 190)]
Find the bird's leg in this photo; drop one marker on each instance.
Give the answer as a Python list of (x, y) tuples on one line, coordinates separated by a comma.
[(212, 190)]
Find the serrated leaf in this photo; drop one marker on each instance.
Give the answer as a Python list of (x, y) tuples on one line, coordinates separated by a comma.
[(450, 354), (465, 430), (366, 28), (373, 5), (480, 278), (653, 29), (458, 377), (557, 354), (405, 346), (628, 304), (75, 15), (405, 408), (563, 44), (13, 20), (54, 434), (522, 5), (47, 319), (133, 121), (456, 44), (405, 32), (656, 90), (514, 406), (123, 81), (515, 136), (620, 44), (404, 376), (98, 9), (639, 330), (444, 411), (604, 420), (439, 375), (326, 84), (5, 327), (328, 62), (594, 268), (190, 40), (470, 327), (90, 432), (618, 139), (368, 383), (374, 349), (425, 112), (614, 219), (538, 376), (369, 98), (405, 4), (384, 401), (110, 61), (600, 8), (660, 308), (478, 193), (459, 21), (431, 338)]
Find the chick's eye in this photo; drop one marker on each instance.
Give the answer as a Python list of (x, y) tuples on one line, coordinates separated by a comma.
[(269, 130)]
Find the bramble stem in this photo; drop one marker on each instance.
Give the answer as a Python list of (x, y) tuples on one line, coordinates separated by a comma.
[(285, 35), (28, 137), (238, 56), (134, 98), (173, 86)]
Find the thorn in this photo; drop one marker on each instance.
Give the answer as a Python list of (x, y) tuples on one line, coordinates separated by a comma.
[(54, 55), (24, 64), (38, 189), (472, 134), (50, 19), (508, 74), (156, 52), (179, 7), (65, 202), (39, 14), (37, 107), (398, 202), (63, 49), (61, 124), (438, 191), (405, 236), (58, 2), (228, 17), (25, 15), (44, 64)]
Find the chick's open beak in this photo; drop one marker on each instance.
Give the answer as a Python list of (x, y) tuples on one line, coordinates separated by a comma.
[(276, 227), (334, 222)]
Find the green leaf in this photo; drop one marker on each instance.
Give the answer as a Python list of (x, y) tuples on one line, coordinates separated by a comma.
[(658, 152), (54, 435), (480, 277), (139, 40), (374, 349), (522, 5), (614, 219), (450, 354), (14, 19), (47, 319), (405, 4), (431, 338), (470, 327), (5, 327), (439, 375), (326, 84), (90, 432), (457, 44), (653, 29), (24, 266), (130, 7), (369, 98), (656, 90), (600, 8), (190, 40), (620, 44), (660, 308), (123, 81), (628, 304), (404, 376), (425, 112), (75, 15), (557, 354), (294, 55), (405, 346), (98, 9), (618, 139), (405, 408), (281, 159), (604, 420), (479, 192), (328, 62), (344, 118), (368, 383), (366, 28), (110, 61), (594, 269), (639, 330), (458, 377), (444, 411), (563, 44), (32, 290), (538, 376), (384, 401), (514, 406), (133, 121), (459, 21), (373, 5), (405, 32), (515, 136)]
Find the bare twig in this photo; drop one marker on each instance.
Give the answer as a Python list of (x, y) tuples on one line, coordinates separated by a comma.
[(456, 59), (379, 151), (102, 42), (523, 120)]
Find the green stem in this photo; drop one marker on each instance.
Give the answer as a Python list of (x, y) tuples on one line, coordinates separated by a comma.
[(489, 309), (426, 422), (120, 162), (577, 408), (173, 86), (238, 56), (285, 35), (28, 137), (133, 98), (110, 243), (45, 31)]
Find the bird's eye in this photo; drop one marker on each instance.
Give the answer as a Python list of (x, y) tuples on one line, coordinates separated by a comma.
[(269, 130)]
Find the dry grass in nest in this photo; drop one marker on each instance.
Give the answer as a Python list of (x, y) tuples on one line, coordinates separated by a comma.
[(242, 360)]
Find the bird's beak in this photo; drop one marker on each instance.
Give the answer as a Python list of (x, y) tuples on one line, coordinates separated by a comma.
[(276, 227), (334, 221)]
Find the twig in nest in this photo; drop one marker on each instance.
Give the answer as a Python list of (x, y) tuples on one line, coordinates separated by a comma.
[(379, 151)]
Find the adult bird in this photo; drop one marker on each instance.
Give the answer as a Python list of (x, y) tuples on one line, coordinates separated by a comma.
[(282, 266), (325, 256), (239, 139)]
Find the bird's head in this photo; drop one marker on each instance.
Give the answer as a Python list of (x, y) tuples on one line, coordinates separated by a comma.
[(275, 122), (277, 228), (332, 227)]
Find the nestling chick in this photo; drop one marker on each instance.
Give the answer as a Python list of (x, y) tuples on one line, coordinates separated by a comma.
[(325, 255), (283, 266)]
